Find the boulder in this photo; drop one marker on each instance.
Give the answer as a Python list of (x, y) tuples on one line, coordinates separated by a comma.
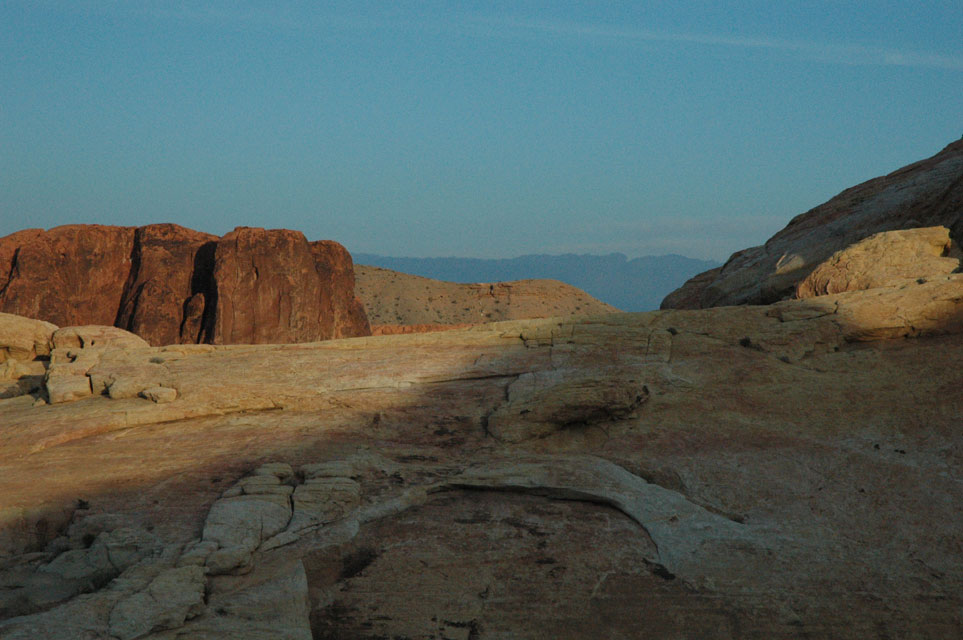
[(541, 403), (87, 336), (882, 260), (23, 338)]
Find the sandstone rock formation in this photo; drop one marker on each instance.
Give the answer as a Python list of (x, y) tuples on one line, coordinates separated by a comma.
[(393, 300), (24, 339), (169, 284), (882, 260), (173, 285), (68, 276), (928, 193), (790, 471), (403, 329)]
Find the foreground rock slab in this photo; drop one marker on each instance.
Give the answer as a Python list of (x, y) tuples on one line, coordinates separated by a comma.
[(789, 471)]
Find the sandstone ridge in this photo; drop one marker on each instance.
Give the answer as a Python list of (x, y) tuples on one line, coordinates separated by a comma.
[(173, 285), (393, 300), (895, 208)]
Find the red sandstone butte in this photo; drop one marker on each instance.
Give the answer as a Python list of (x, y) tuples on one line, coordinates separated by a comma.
[(272, 286), (170, 284), (70, 275)]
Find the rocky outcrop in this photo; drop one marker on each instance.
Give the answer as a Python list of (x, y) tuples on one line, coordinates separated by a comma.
[(24, 339), (169, 284), (928, 193), (882, 260), (541, 403), (172, 285), (334, 265), (69, 275), (403, 329), (393, 299), (274, 287), (749, 471)]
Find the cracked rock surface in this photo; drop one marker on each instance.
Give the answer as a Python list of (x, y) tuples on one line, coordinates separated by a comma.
[(787, 471)]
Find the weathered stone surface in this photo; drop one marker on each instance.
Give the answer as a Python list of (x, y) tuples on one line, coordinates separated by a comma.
[(33, 587), (270, 290), (162, 283), (541, 403), (23, 338), (83, 337), (794, 472), (401, 303), (273, 606), (170, 280), (882, 260), (19, 378), (257, 509), (927, 193), (70, 275), (160, 395), (67, 382), (170, 599)]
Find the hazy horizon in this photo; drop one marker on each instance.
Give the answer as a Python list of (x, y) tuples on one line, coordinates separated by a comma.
[(474, 130)]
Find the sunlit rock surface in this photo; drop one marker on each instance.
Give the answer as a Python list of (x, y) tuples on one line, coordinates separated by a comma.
[(172, 285), (928, 193)]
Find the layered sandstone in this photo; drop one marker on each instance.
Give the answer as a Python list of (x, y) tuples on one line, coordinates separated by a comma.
[(173, 285), (928, 193), (883, 260), (394, 299), (787, 471)]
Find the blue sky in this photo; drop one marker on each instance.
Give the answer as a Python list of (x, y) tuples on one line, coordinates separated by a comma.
[(474, 129)]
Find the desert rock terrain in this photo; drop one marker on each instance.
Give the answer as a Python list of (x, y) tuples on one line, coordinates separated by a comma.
[(790, 470), (786, 470), (393, 300), (928, 193)]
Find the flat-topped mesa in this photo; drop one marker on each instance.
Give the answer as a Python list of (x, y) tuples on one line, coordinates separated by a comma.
[(173, 285), (928, 193)]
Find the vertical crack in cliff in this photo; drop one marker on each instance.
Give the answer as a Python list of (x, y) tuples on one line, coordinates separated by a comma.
[(204, 284), (8, 278), (127, 309)]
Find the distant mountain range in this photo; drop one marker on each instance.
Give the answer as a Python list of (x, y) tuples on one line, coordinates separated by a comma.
[(639, 284)]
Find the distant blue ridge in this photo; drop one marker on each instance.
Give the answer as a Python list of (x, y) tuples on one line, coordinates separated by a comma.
[(639, 284)]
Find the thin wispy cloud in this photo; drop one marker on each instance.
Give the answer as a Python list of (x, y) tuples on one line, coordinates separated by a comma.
[(282, 18), (837, 53)]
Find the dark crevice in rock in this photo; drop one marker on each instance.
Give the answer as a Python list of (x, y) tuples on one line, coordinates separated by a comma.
[(659, 570), (203, 284), (10, 273), (357, 561), (127, 310)]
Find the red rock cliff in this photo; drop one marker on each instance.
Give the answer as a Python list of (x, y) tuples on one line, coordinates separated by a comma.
[(170, 284)]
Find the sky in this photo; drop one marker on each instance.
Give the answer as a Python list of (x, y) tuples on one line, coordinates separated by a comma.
[(476, 129)]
